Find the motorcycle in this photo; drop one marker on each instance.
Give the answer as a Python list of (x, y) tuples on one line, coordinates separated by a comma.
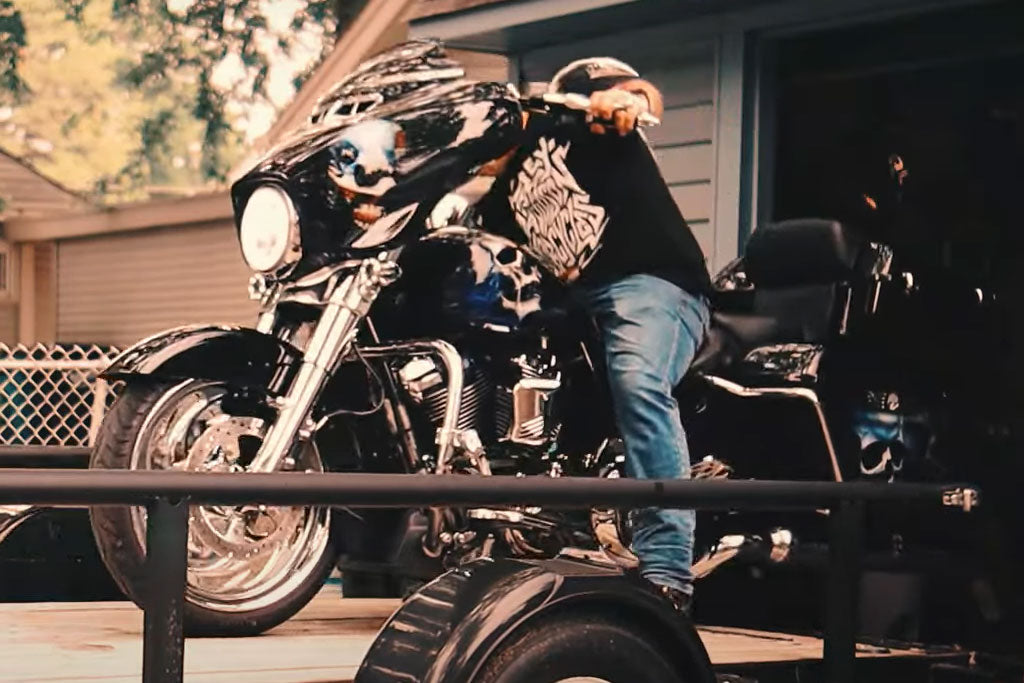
[(398, 335)]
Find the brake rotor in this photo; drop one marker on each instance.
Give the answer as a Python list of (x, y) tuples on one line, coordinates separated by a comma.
[(241, 531)]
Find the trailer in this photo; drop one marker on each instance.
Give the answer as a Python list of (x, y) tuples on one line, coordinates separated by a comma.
[(571, 618), (327, 641)]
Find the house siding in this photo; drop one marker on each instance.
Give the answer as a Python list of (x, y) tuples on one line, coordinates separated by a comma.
[(117, 289), (8, 324)]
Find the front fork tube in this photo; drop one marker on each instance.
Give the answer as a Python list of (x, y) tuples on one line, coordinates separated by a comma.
[(331, 340)]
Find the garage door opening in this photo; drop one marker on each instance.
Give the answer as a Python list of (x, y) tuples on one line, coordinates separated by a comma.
[(944, 92)]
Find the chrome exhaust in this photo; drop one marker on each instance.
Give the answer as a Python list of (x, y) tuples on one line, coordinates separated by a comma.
[(753, 549)]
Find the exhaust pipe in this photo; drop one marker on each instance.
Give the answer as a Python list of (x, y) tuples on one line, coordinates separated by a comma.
[(749, 549)]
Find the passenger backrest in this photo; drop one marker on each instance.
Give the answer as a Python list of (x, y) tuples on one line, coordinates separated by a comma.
[(800, 270), (803, 251)]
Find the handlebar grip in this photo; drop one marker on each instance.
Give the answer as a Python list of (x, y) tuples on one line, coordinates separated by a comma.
[(648, 119), (581, 103)]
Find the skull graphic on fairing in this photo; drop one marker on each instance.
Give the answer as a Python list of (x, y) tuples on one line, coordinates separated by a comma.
[(520, 281)]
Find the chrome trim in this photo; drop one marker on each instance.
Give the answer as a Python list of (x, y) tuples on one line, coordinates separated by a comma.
[(293, 252), (531, 397), (261, 288), (386, 227), (321, 275), (585, 555), (876, 292), (586, 356), (353, 103), (776, 551), (782, 543), (331, 339), (965, 498), (419, 376), (316, 288), (306, 298), (844, 322), (909, 283), (267, 321), (448, 433), (884, 255), (727, 548), (808, 395), (794, 363), (13, 516)]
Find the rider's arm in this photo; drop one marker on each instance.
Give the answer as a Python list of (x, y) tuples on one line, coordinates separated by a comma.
[(622, 103)]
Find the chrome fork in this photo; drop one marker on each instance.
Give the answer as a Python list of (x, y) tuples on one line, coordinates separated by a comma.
[(332, 338)]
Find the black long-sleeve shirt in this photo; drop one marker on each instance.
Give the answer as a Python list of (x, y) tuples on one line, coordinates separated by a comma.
[(593, 208)]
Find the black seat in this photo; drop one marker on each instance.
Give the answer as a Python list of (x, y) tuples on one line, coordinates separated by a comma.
[(730, 335), (796, 267)]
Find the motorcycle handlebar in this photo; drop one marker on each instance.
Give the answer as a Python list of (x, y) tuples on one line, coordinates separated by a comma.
[(572, 102)]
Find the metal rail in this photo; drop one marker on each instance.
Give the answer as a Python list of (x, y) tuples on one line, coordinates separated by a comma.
[(168, 495)]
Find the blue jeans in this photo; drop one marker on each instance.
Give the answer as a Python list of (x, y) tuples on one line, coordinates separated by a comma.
[(651, 330)]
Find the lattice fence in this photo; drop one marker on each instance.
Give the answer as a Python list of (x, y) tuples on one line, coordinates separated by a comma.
[(51, 395)]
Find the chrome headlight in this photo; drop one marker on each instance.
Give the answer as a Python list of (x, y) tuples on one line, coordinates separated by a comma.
[(269, 230)]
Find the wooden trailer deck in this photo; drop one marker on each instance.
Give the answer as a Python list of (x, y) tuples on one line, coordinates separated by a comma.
[(102, 641)]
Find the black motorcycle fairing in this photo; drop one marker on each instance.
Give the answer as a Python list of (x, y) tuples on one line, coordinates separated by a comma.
[(481, 605), (241, 355), (346, 176)]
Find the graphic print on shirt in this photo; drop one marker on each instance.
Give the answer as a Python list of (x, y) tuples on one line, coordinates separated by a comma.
[(562, 225)]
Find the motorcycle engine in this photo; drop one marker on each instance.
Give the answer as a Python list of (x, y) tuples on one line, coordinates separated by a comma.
[(516, 411), (510, 404)]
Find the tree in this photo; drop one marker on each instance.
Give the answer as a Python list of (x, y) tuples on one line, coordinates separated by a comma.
[(124, 94), (75, 125), (12, 40)]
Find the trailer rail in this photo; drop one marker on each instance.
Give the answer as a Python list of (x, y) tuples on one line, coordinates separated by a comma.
[(168, 495)]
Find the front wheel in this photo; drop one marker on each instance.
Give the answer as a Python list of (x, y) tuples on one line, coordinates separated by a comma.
[(581, 648), (250, 567)]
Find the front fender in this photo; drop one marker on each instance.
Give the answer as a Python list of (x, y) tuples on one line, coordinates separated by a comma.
[(446, 632), (240, 355)]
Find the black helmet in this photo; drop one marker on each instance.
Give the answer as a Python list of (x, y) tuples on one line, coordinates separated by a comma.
[(587, 76)]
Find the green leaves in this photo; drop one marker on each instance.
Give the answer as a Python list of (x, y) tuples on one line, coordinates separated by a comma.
[(12, 41), (73, 9), (139, 92)]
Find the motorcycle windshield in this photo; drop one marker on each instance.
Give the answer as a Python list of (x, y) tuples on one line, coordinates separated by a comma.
[(386, 77)]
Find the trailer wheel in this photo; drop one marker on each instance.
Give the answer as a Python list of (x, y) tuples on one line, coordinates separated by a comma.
[(581, 648)]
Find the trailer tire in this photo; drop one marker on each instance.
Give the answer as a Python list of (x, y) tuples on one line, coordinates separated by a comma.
[(581, 646)]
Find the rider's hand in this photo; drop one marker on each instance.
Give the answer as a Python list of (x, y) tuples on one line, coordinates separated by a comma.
[(619, 107)]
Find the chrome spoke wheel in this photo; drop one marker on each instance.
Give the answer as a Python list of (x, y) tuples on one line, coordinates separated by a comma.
[(244, 557)]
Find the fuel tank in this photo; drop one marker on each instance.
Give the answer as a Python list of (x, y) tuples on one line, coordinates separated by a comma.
[(458, 281)]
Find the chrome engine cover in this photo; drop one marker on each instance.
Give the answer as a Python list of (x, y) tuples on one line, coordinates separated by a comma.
[(520, 414)]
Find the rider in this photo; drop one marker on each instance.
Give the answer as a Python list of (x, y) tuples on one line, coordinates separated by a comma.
[(592, 205)]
